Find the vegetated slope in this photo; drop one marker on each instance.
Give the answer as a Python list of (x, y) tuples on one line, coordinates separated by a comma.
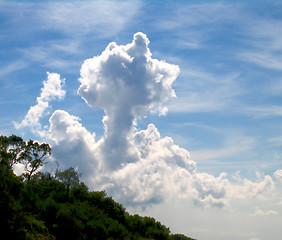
[(59, 206)]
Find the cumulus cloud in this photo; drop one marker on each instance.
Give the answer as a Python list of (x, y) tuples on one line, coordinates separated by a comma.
[(52, 89), (157, 172), (245, 188), (72, 142), (127, 83), (262, 212), (137, 167), (278, 175)]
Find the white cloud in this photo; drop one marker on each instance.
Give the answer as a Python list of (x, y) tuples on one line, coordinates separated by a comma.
[(138, 167), (160, 170), (235, 145), (128, 70), (65, 126), (264, 59), (194, 22), (276, 141), (127, 83), (247, 189), (265, 38), (201, 91), (12, 67), (278, 175), (19, 169), (105, 18), (72, 144), (78, 18), (276, 87), (70, 26), (259, 212), (159, 178), (51, 56), (263, 111), (52, 89)]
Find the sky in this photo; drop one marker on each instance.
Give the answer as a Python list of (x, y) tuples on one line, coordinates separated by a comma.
[(173, 107)]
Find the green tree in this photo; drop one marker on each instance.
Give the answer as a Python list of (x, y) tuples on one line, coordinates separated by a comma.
[(180, 237), (69, 177), (11, 150), (34, 156), (14, 149)]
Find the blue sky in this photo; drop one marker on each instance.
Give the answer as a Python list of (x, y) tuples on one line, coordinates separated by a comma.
[(227, 113)]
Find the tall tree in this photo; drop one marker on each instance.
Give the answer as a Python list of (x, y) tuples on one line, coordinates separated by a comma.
[(14, 149), (34, 156), (69, 177), (11, 150)]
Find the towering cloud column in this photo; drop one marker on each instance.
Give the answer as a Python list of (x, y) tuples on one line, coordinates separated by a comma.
[(126, 82)]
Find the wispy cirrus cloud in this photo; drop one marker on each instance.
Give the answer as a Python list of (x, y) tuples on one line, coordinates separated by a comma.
[(52, 56), (264, 41), (72, 18), (12, 67), (201, 91), (277, 141), (263, 111), (236, 145), (103, 18), (71, 25), (198, 20), (263, 58)]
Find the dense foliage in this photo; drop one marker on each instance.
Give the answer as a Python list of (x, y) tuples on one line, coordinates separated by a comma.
[(40, 205)]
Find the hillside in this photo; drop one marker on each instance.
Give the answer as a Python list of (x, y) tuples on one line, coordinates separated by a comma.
[(41, 205)]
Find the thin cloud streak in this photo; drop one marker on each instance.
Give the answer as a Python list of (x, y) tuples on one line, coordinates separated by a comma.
[(263, 111), (12, 67), (104, 18), (73, 22), (199, 91)]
